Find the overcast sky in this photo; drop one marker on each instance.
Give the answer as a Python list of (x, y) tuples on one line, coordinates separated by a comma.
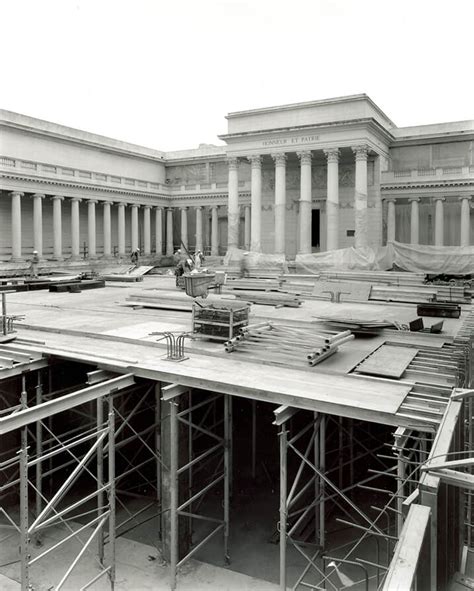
[(164, 74)]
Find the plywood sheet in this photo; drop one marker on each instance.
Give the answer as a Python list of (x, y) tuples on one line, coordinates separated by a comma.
[(388, 361)]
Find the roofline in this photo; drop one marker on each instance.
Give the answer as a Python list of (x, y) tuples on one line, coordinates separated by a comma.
[(72, 134), (329, 101)]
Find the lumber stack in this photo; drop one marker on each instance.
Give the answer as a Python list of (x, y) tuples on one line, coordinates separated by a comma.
[(384, 286), (287, 345), (270, 298), (255, 284)]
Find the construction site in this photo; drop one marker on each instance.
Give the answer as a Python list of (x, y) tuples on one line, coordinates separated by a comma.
[(274, 392), (313, 438)]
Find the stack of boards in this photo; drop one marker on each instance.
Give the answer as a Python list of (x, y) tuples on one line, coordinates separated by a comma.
[(384, 286)]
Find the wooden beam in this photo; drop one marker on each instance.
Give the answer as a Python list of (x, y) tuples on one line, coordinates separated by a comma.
[(403, 567)]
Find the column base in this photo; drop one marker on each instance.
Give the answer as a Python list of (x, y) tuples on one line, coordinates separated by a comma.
[(57, 259), (75, 258)]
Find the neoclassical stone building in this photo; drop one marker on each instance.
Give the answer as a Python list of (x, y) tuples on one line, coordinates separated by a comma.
[(291, 179)]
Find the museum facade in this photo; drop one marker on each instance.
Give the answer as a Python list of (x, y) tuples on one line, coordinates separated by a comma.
[(292, 179)]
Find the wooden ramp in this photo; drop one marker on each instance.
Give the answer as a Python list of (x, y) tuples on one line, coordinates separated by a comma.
[(138, 271)]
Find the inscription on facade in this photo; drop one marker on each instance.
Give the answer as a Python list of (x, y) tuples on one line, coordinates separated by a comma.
[(306, 139)]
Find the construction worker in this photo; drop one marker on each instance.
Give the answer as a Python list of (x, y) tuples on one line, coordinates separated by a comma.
[(34, 265), (134, 256), (198, 260), (244, 265)]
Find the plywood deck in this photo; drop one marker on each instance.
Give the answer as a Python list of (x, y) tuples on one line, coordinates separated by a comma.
[(94, 327)]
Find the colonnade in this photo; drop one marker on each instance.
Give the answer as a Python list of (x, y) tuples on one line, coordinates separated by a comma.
[(439, 200), (59, 201), (361, 153)]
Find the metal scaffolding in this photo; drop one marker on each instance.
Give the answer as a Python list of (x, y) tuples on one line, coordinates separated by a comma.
[(206, 466)]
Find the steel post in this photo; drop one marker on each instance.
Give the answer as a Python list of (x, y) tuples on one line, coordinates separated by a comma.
[(100, 477), (111, 475), (283, 493), (226, 477), (173, 493)]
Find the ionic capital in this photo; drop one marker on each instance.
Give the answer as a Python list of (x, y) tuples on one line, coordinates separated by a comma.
[(170, 209), (136, 205), (389, 199), (146, 206), (38, 195), (17, 194), (76, 200), (466, 197), (233, 162), (159, 208), (304, 156), (279, 158), (92, 202), (255, 161), (439, 198), (361, 152), (198, 207), (332, 154), (183, 208), (57, 198), (214, 208), (414, 199)]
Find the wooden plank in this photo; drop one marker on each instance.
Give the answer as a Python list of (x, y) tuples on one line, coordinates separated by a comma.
[(408, 551), (388, 361)]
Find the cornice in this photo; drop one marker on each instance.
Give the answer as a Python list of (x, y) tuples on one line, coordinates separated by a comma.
[(427, 185), (370, 121), (81, 186)]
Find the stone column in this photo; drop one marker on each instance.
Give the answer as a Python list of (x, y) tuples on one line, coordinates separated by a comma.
[(256, 204), (439, 221), (16, 225), (360, 196), (57, 228), (305, 202), (38, 223), (247, 227), (169, 231), (146, 230), (415, 220), (184, 226), (159, 230), (199, 236), (465, 220), (332, 203), (75, 235), (135, 226), (280, 202), (91, 228), (107, 229), (214, 231), (233, 214), (121, 229), (390, 219)]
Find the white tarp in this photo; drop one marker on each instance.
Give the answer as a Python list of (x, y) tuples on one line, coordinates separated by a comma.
[(454, 260)]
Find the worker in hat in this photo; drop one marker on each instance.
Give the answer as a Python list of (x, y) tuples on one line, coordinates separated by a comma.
[(34, 265)]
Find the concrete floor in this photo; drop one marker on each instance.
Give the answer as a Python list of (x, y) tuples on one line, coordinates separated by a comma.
[(139, 568)]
